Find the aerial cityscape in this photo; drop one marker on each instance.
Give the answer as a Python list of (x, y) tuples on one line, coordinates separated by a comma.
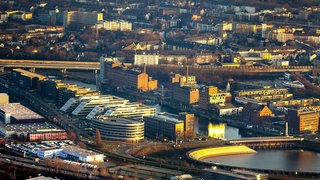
[(163, 89)]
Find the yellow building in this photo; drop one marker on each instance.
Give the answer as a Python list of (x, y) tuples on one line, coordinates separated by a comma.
[(257, 113), (211, 95)]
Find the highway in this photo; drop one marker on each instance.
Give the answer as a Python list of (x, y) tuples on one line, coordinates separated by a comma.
[(76, 65)]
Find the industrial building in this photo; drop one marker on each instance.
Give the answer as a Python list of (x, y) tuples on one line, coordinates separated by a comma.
[(15, 113), (84, 155), (34, 131), (120, 129)]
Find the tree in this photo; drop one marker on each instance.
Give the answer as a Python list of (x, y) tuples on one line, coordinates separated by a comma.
[(98, 138), (72, 135), (82, 145)]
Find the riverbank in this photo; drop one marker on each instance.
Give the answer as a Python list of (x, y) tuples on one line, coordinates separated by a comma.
[(219, 151)]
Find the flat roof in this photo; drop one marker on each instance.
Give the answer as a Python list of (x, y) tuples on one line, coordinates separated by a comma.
[(19, 112), (31, 127), (80, 151), (30, 74)]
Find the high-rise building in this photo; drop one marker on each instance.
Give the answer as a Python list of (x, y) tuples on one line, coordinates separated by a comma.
[(81, 18)]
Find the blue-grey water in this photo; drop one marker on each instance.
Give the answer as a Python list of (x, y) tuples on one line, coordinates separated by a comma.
[(288, 160)]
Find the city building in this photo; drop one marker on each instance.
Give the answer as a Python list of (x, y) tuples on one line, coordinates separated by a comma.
[(185, 94), (184, 88), (131, 110), (25, 79), (16, 113), (119, 129), (257, 113), (227, 109), (21, 15), (119, 76), (302, 120), (4, 98), (163, 127), (211, 95), (146, 59), (265, 94), (68, 18), (106, 101), (117, 25)]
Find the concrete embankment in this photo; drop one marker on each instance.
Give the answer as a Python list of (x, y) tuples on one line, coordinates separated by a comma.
[(219, 151)]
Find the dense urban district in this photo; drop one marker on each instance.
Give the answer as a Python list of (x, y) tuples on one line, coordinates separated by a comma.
[(83, 82)]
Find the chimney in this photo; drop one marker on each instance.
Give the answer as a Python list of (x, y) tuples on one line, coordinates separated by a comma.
[(145, 68), (187, 74)]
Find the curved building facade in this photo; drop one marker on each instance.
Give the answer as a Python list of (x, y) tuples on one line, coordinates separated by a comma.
[(120, 129)]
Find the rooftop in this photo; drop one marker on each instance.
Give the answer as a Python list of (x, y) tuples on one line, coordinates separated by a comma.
[(31, 127), (80, 151), (19, 111)]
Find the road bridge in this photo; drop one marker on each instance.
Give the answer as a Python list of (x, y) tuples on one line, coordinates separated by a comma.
[(64, 65), (45, 64)]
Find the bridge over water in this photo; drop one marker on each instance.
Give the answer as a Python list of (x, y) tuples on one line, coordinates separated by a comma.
[(267, 142)]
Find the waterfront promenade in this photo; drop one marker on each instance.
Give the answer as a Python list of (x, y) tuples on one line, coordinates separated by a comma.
[(219, 151)]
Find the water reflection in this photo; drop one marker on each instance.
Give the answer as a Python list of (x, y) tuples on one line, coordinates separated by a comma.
[(217, 130)]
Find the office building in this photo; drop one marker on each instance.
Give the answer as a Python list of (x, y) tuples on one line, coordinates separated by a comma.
[(169, 126), (163, 127), (119, 129), (302, 120)]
